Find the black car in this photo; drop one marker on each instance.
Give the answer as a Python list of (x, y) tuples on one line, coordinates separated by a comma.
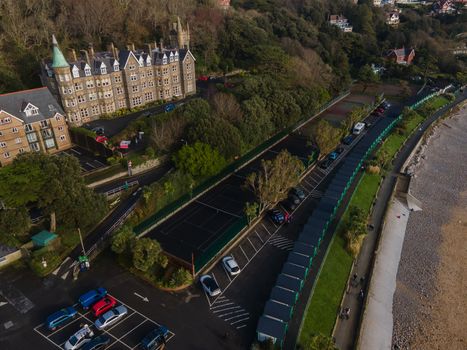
[(97, 343), (277, 216), (339, 150), (296, 191), (347, 140), (325, 163), (288, 205), (294, 199)]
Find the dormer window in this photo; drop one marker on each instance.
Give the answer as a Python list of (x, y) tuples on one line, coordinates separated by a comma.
[(148, 60), (103, 69), (116, 67), (87, 70), (171, 57), (176, 56), (75, 72), (31, 110), (164, 59), (141, 62)]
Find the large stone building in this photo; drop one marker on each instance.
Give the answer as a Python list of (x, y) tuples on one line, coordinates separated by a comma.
[(31, 121), (103, 82)]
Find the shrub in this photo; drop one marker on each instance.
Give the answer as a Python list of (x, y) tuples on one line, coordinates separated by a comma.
[(373, 169), (51, 257), (180, 277)]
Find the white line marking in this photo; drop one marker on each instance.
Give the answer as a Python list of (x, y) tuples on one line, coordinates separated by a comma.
[(239, 315), (73, 150), (222, 305), (248, 238), (217, 209), (259, 237), (227, 308), (243, 319), (65, 275), (131, 330), (231, 313), (244, 253), (241, 326), (266, 229)]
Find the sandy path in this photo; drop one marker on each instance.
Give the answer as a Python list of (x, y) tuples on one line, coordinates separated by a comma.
[(430, 306)]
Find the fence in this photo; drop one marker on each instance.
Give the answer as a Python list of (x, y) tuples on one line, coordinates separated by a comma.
[(90, 143), (123, 187), (171, 208)]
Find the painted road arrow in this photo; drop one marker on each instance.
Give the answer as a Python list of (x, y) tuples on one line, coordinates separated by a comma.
[(142, 298), (3, 303)]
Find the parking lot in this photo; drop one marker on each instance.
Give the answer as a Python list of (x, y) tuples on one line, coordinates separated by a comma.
[(87, 161), (231, 305), (126, 334)]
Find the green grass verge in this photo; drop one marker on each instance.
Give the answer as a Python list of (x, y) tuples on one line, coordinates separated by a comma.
[(103, 174), (327, 296)]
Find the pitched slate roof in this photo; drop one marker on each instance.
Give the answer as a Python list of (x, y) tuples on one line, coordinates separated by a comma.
[(15, 102)]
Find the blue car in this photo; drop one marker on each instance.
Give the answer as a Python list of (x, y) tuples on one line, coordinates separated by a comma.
[(92, 297), (333, 156), (156, 338), (169, 108), (277, 216), (97, 343), (60, 318), (347, 140)]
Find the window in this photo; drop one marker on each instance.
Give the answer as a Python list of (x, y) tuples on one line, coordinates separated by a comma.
[(28, 127), (75, 72), (188, 76), (118, 79), (150, 73), (137, 101), (93, 96), (158, 72), (44, 123), (60, 128), (32, 137), (188, 67), (62, 138), (131, 67), (19, 140), (164, 60), (109, 108), (58, 118), (94, 110), (166, 81), (174, 68), (78, 87), (135, 88), (119, 90), (49, 143), (143, 75), (148, 96), (105, 82), (165, 71), (133, 77), (176, 56), (177, 90), (175, 79), (145, 85), (2, 144), (167, 93), (14, 130), (31, 111), (161, 95), (171, 57), (103, 69), (6, 155), (35, 147), (81, 98), (1, 133), (151, 84), (116, 67), (98, 83), (107, 94), (84, 112), (141, 62), (159, 82), (46, 133), (87, 71), (6, 120), (21, 150), (121, 104)]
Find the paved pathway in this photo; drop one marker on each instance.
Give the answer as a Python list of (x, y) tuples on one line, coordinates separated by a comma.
[(345, 332)]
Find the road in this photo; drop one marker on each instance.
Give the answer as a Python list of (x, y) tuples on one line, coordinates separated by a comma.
[(346, 330)]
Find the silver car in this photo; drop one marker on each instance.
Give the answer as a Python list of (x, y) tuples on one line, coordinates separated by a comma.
[(80, 338), (111, 317)]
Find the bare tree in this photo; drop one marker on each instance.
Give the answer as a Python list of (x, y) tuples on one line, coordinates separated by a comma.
[(227, 107), (167, 132)]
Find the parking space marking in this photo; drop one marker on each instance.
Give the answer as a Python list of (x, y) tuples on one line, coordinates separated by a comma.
[(92, 166), (226, 309), (243, 325), (266, 229), (236, 316), (243, 319), (73, 150), (248, 238), (100, 163), (259, 237), (226, 272), (131, 330), (248, 260), (222, 305), (218, 210)]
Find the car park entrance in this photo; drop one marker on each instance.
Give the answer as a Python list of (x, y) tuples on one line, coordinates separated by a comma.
[(125, 334)]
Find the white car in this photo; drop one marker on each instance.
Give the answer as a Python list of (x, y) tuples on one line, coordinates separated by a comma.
[(231, 265), (80, 338), (111, 317), (210, 285)]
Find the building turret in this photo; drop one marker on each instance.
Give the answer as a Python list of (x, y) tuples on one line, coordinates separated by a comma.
[(58, 60)]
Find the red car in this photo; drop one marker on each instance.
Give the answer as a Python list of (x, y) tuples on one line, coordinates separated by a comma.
[(203, 78), (103, 305)]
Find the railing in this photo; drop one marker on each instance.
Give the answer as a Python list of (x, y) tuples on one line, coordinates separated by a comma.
[(125, 186)]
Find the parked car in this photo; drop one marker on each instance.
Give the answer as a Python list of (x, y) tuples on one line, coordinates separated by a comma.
[(99, 130), (88, 299), (111, 317), (296, 191), (102, 139), (347, 140), (210, 285), (339, 150), (333, 155), (231, 265), (277, 216), (358, 128), (155, 339), (325, 163), (380, 109), (103, 305), (169, 107), (97, 343), (203, 78), (293, 198), (288, 205), (60, 318), (80, 338)]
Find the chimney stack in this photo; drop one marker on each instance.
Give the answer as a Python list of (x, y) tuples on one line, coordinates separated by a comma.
[(133, 47), (162, 45), (149, 47), (86, 54), (73, 55), (111, 48), (155, 46), (91, 50)]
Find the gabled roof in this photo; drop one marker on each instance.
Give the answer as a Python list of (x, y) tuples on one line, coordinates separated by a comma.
[(184, 53), (14, 103)]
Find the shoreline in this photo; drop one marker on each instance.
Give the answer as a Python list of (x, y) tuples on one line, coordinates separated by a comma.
[(431, 277)]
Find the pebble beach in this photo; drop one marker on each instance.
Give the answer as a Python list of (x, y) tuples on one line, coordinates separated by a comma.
[(429, 306)]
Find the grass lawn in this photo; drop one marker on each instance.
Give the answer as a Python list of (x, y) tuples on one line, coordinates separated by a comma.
[(437, 102), (323, 308)]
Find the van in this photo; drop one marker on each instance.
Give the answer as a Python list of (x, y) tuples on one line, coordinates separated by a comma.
[(357, 129)]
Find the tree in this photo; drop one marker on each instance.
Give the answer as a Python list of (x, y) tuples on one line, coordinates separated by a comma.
[(219, 133), (326, 136), (256, 125), (168, 131), (199, 160), (196, 109), (13, 223), (251, 211), (275, 178), (367, 76), (122, 239), (146, 252), (320, 342), (226, 107)]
